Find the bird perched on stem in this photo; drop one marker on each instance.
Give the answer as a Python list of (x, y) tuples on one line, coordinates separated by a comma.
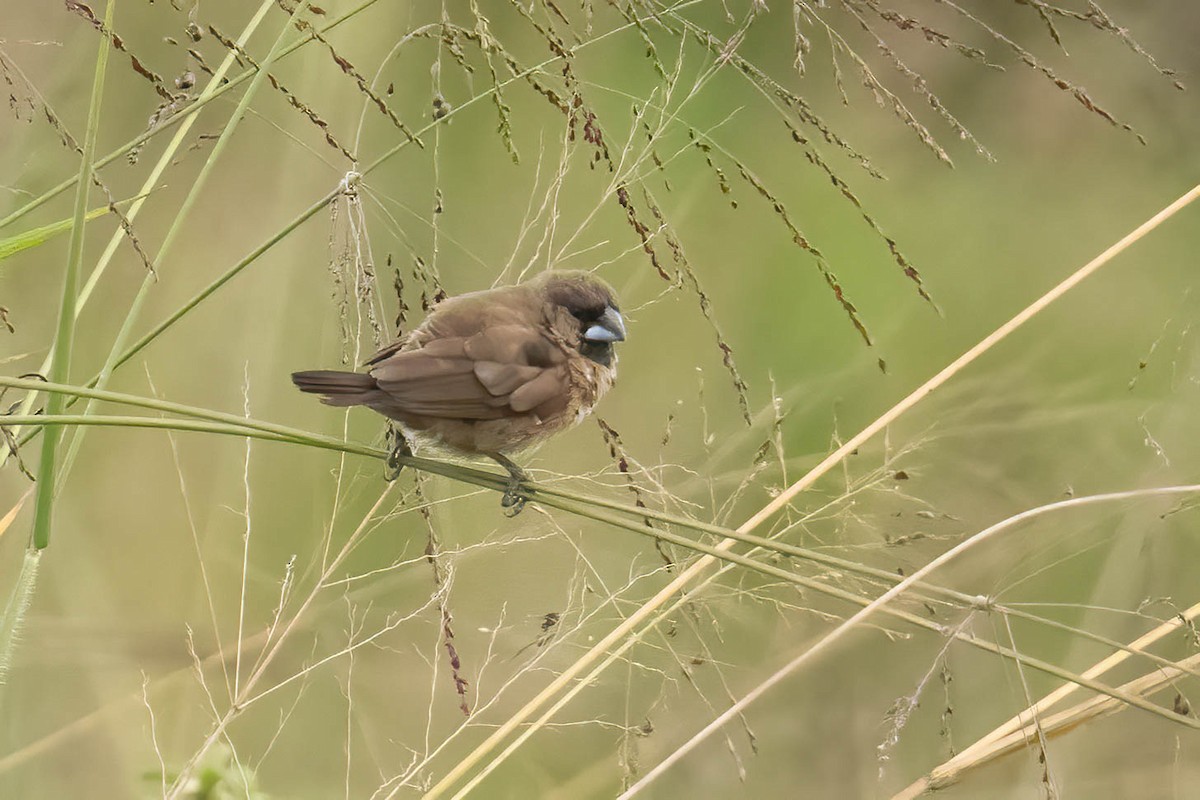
[(493, 372)]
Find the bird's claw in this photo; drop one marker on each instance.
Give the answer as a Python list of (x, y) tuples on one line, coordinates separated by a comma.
[(392, 469), (513, 500), (399, 448)]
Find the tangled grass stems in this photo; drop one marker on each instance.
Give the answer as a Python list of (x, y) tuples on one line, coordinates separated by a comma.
[(1019, 729), (497, 483), (76, 727), (208, 421), (296, 222), (828, 640), (714, 531), (228, 424), (181, 216), (868, 607), (180, 784), (213, 88), (22, 594), (1053, 726), (183, 113), (700, 566), (581, 505)]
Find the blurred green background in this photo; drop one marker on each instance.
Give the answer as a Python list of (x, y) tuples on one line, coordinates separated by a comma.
[(1098, 394)]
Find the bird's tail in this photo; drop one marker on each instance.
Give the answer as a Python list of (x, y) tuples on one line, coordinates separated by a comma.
[(337, 388)]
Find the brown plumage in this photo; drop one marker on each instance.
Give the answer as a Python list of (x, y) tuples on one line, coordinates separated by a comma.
[(492, 372)]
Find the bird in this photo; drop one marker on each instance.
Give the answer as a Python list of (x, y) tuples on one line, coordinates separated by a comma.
[(493, 372)]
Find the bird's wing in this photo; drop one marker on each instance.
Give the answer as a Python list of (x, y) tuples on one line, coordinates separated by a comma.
[(460, 317), (500, 371)]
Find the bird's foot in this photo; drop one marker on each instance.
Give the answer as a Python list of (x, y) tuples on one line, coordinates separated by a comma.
[(513, 500), (397, 450)]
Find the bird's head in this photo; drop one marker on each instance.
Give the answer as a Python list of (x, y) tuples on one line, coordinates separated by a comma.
[(593, 303)]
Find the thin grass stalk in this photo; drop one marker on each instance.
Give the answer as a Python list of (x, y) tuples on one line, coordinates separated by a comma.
[(199, 426), (220, 281), (695, 570), (234, 421), (60, 366), (829, 639)]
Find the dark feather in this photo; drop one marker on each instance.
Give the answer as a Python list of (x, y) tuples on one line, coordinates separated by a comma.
[(328, 381)]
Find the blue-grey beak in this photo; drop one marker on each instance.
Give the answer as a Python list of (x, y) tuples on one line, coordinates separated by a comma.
[(610, 327)]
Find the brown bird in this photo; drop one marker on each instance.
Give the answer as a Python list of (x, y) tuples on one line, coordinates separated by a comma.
[(493, 372)]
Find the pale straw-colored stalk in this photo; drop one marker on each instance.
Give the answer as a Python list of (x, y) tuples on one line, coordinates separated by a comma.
[(1019, 730)]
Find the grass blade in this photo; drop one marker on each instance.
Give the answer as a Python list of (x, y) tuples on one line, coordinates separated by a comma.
[(61, 366), (12, 245)]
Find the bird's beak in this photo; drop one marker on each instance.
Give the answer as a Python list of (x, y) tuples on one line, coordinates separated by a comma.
[(610, 327)]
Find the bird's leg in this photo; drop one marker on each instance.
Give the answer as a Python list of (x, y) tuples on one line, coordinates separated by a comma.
[(512, 501), (397, 449)]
